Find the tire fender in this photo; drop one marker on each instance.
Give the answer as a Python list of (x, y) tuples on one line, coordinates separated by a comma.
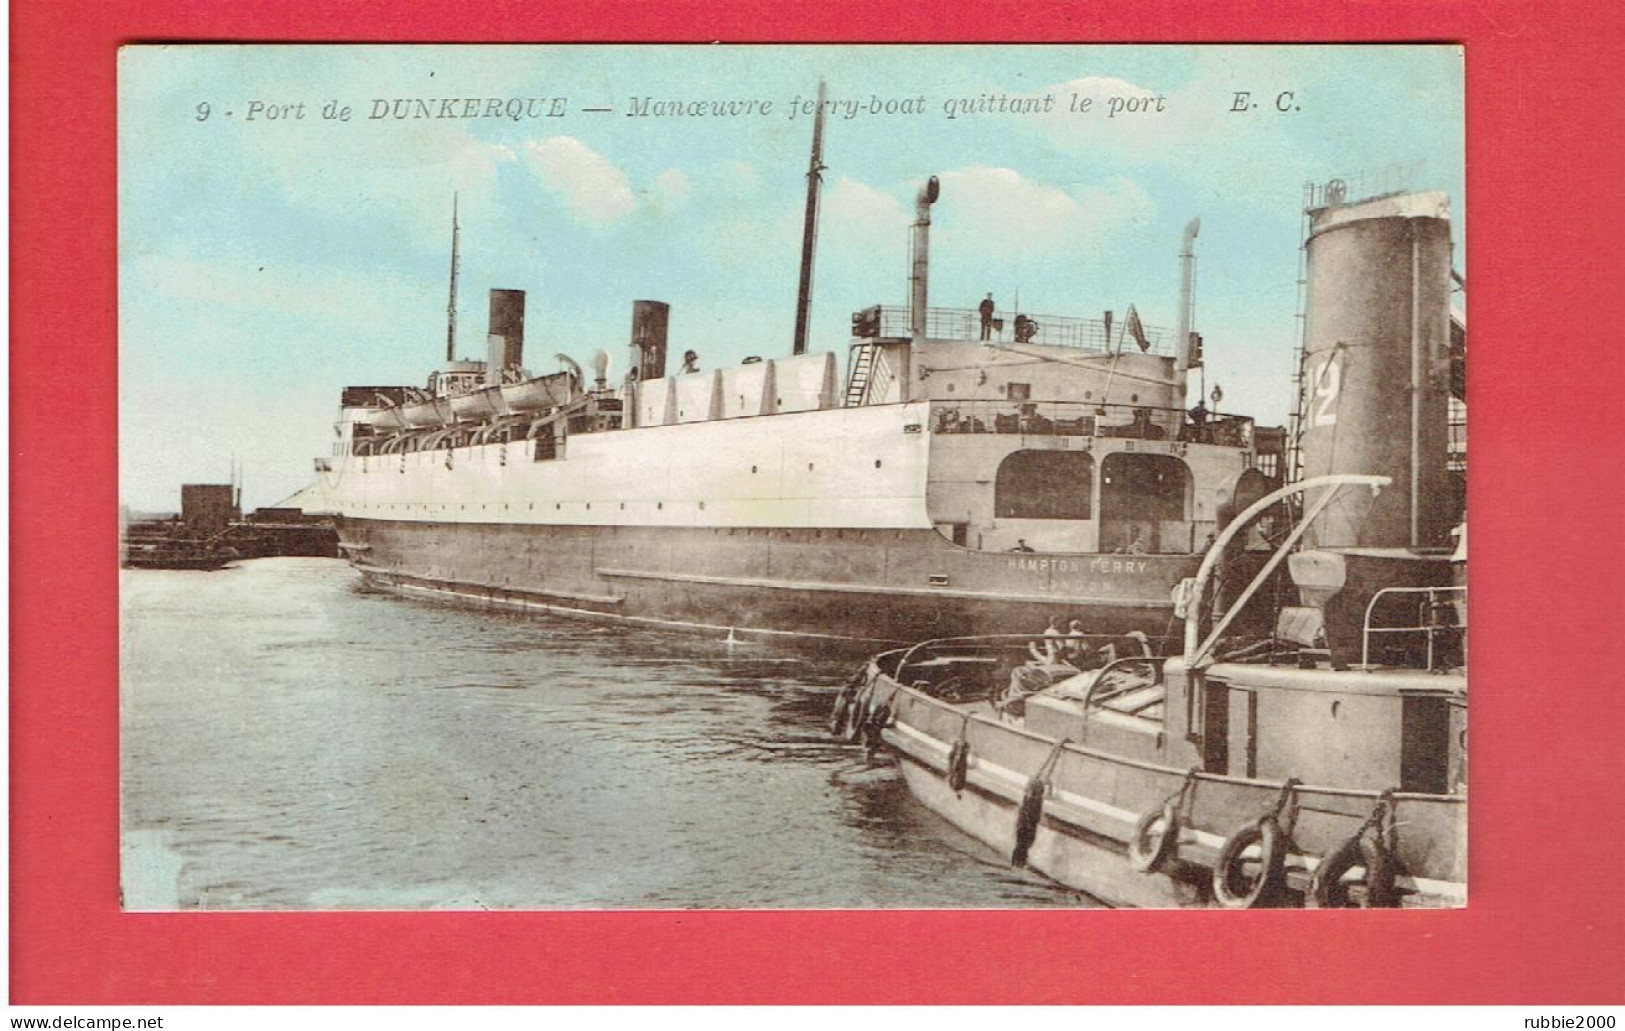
[(1231, 885), (1326, 887), (1154, 839), (959, 765)]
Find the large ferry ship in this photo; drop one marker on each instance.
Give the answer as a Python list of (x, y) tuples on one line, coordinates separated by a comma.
[(965, 471)]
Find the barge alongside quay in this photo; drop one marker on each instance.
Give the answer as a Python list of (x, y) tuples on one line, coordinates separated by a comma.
[(1321, 763)]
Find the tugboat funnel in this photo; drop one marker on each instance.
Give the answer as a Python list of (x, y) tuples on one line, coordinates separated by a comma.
[(921, 261), (1187, 281)]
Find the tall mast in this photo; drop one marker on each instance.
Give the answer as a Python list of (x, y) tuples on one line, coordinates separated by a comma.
[(809, 232), (1187, 308), (451, 303)]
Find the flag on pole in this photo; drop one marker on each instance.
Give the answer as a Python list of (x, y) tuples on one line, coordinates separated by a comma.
[(1136, 330)]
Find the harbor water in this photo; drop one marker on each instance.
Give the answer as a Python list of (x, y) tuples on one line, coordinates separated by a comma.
[(291, 740)]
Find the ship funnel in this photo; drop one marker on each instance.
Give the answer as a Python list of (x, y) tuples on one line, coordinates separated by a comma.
[(1375, 386), (1187, 284), (647, 359), (921, 262), (505, 340)]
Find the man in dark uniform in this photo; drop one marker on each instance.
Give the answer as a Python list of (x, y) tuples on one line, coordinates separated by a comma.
[(1199, 423), (987, 317)]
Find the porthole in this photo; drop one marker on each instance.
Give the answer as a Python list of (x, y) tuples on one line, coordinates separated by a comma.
[(753, 468), (877, 463)]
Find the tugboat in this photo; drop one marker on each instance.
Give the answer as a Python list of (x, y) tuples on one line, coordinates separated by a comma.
[(1319, 763)]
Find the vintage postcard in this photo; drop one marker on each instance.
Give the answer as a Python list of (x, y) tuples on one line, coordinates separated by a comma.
[(747, 477)]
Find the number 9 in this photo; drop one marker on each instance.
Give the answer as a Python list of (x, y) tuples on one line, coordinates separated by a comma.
[(203, 111)]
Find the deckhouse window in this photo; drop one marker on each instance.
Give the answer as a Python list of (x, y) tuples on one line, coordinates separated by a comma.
[(1044, 485), (1143, 487)]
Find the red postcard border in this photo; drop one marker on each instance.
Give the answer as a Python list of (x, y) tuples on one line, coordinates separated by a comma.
[(1545, 922)]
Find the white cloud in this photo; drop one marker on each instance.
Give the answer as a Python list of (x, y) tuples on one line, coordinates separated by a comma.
[(860, 227), (595, 191), (1101, 88), (741, 177), (403, 178), (1073, 127), (1006, 215), (338, 299), (850, 202), (670, 190)]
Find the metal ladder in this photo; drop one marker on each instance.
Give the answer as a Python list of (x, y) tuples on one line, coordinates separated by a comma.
[(857, 383), (1294, 434)]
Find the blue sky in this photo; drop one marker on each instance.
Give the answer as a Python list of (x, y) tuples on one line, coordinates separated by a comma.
[(266, 264)]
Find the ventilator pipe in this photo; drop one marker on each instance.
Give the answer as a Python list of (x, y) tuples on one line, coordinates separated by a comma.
[(1187, 279), (922, 257)]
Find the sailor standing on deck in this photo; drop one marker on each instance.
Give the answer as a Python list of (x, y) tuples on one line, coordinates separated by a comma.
[(1199, 423), (1073, 648), (1049, 652), (986, 309)]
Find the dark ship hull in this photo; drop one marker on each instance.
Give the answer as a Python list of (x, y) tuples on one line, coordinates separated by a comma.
[(865, 586)]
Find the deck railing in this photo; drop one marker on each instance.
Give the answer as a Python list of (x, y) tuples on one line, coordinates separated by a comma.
[(1050, 330), (1082, 419), (1440, 613)]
